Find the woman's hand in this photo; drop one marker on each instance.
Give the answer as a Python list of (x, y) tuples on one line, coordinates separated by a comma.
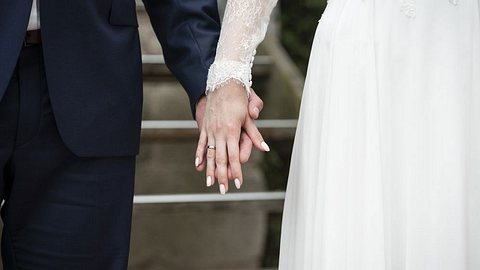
[(255, 106), (226, 113)]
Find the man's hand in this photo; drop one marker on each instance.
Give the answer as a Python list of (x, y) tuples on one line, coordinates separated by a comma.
[(244, 141)]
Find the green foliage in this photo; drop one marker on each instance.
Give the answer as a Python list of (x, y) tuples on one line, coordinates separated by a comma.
[(299, 20)]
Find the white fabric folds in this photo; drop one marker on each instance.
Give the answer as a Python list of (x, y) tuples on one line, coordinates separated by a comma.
[(385, 173)]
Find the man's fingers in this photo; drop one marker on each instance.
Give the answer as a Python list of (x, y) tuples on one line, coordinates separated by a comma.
[(255, 105), (234, 161), (255, 135), (245, 147), (200, 153), (221, 161)]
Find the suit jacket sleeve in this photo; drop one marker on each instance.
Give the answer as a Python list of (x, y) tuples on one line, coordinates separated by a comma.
[(188, 31)]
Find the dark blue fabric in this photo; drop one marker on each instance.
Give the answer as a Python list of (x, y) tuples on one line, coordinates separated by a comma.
[(93, 62), (61, 211)]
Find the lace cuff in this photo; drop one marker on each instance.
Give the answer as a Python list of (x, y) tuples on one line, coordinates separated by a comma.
[(225, 71)]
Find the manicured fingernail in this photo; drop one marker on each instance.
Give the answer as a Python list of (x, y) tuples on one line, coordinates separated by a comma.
[(265, 146), (197, 161), (222, 189), (237, 183), (209, 181)]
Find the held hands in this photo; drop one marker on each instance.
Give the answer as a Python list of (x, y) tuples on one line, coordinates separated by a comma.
[(227, 132)]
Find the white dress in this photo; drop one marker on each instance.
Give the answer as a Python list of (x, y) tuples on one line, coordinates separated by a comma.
[(385, 173)]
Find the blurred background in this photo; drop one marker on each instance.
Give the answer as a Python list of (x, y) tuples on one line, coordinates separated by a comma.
[(178, 223)]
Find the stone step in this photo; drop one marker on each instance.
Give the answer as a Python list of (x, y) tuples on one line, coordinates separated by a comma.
[(165, 98), (213, 234), (174, 211)]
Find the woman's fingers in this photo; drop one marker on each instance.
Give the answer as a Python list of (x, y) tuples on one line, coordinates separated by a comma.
[(211, 155), (225, 156), (200, 153), (234, 160), (255, 135), (230, 175), (225, 114), (221, 161)]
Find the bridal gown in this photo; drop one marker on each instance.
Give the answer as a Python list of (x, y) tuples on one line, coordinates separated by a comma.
[(385, 172)]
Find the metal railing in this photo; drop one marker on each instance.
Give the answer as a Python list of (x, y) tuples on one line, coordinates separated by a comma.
[(154, 66), (209, 197), (187, 129), (159, 59), (190, 124)]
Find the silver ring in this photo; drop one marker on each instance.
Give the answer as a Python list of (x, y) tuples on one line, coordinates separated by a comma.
[(211, 147)]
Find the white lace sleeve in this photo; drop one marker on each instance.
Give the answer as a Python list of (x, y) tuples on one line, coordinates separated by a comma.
[(244, 26)]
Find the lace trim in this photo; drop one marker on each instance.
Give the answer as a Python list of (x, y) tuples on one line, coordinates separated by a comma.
[(409, 8), (223, 72)]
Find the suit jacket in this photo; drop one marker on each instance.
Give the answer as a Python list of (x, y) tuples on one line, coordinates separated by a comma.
[(93, 62)]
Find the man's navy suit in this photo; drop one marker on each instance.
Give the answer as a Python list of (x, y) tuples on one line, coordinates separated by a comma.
[(70, 115)]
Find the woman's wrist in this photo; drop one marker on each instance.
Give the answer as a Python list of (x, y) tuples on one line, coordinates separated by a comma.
[(222, 73)]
